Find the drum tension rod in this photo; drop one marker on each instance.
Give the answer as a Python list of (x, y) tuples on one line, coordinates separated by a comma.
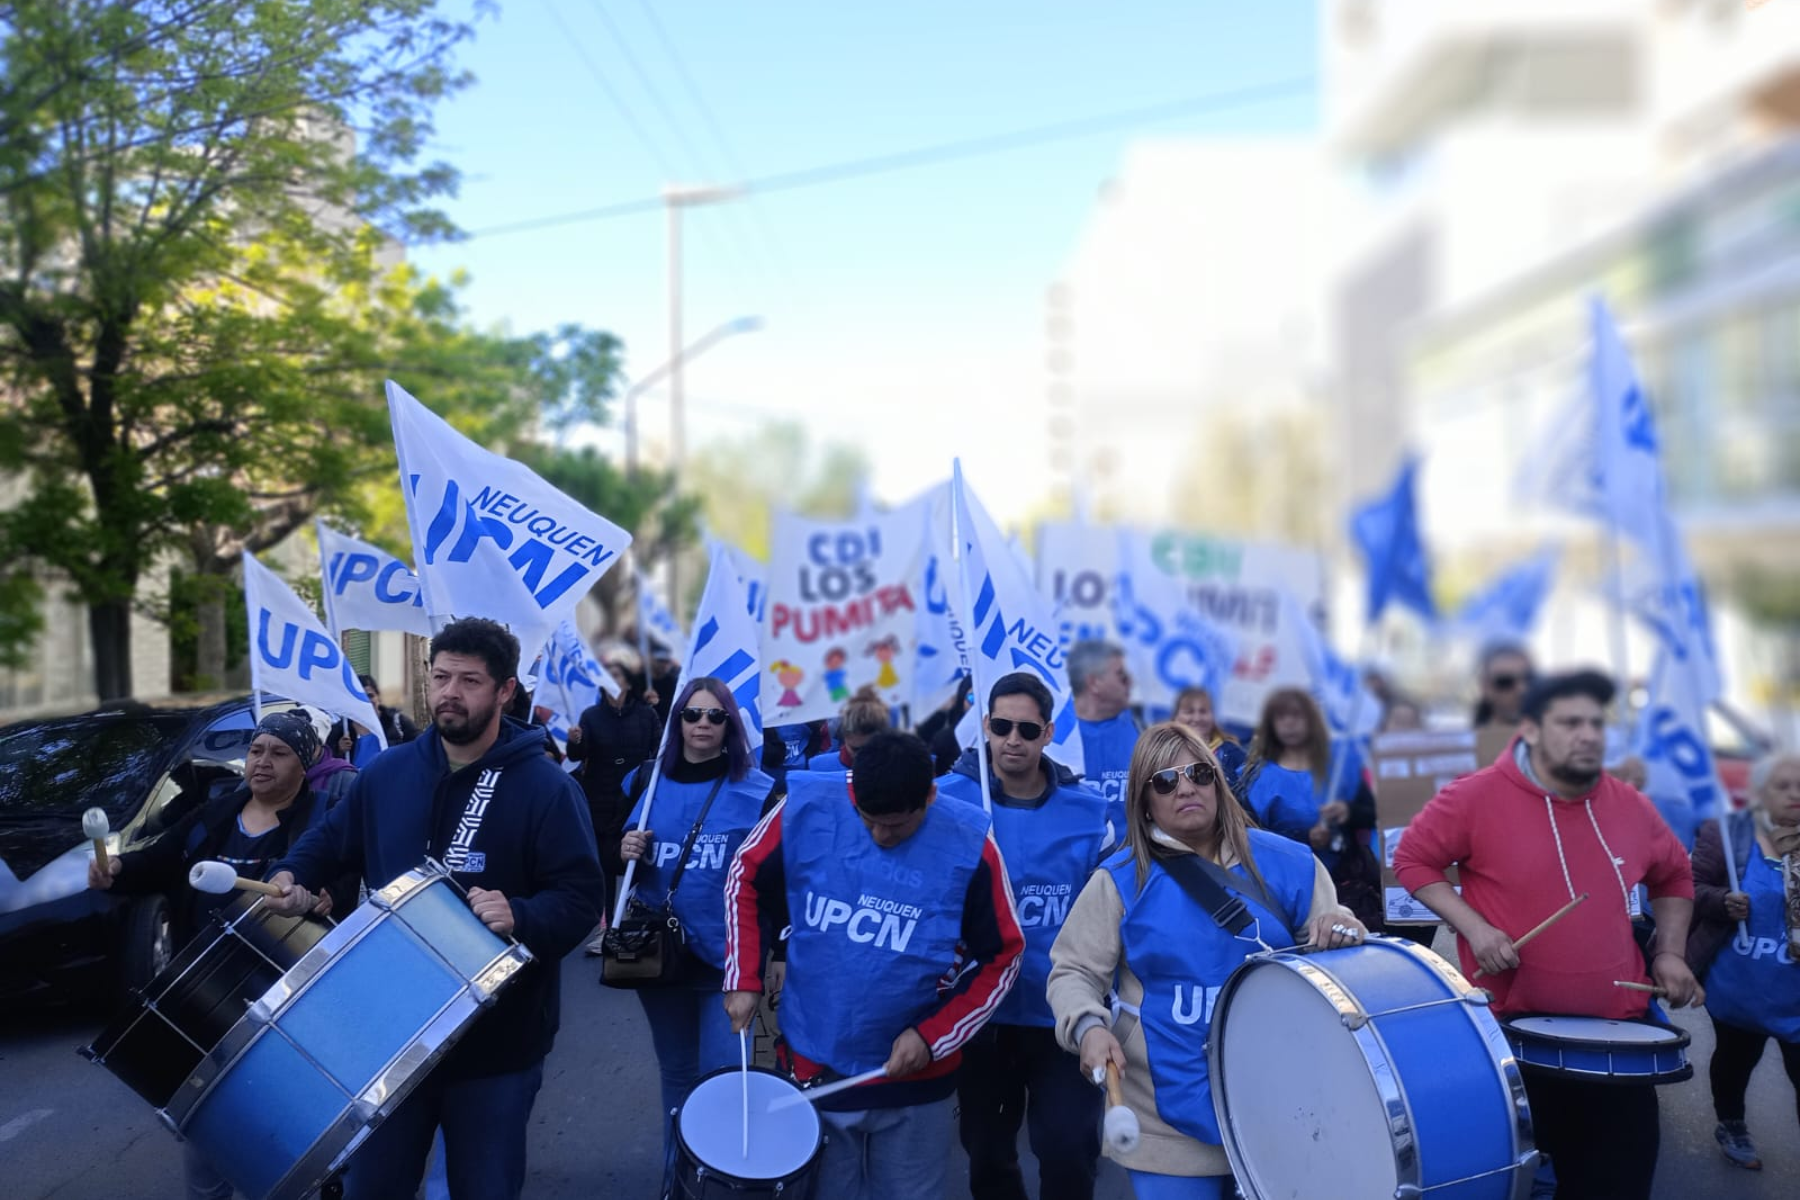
[(1356, 1020)]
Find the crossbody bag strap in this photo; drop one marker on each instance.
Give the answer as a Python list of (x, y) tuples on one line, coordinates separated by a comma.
[(1247, 884), (1205, 889), (687, 847)]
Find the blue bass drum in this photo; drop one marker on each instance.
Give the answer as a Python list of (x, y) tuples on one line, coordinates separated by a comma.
[(338, 1041), (1371, 1070)]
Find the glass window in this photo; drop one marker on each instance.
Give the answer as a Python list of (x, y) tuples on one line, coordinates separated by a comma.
[(67, 767)]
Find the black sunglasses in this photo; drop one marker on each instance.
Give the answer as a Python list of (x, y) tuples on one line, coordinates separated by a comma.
[(1031, 731), (1200, 774), (1507, 683), (714, 716)]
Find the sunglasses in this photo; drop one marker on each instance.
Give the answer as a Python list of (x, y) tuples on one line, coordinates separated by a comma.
[(1507, 683), (714, 716), (1200, 774), (1031, 731)]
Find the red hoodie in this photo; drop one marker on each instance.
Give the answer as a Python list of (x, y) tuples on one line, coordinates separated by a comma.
[(1495, 827)]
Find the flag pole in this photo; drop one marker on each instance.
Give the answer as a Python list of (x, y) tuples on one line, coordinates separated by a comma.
[(968, 608), (1615, 569)]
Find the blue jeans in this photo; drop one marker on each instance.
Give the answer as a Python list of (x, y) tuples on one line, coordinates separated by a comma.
[(886, 1153), (1148, 1186), (692, 1036), (484, 1139)]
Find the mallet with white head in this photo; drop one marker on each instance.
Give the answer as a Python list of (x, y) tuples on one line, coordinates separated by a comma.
[(218, 878), (1121, 1128), (95, 825)]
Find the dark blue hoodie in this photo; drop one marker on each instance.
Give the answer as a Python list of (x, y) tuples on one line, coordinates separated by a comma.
[(534, 844)]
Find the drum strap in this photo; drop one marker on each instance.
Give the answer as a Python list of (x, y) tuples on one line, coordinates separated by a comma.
[(1206, 883), (687, 847)]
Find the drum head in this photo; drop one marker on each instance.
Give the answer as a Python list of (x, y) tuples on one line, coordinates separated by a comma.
[(1296, 1094), (711, 1126), (1595, 1031)]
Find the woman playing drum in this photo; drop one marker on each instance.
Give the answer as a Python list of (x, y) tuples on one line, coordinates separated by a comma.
[(1137, 927)]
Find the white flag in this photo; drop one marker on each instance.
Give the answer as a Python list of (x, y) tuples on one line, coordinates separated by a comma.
[(751, 576), (1011, 625), (366, 587), (1337, 685), (725, 643), (490, 538), (940, 653), (291, 655), (660, 625), (1670, 736), (571, 680)]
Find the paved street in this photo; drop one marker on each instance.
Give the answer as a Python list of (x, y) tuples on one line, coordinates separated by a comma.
[(70, 1131)]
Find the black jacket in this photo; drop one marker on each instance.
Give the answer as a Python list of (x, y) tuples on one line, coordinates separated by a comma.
[(613, 741)]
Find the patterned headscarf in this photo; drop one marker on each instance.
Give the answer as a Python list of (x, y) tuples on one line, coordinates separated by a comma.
[(297, 731)]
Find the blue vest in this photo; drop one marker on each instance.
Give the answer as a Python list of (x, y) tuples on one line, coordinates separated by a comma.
[(828, 761), (1183, 959), (874, 930), (1106, 748), (1756, 985), (1049, 851), (700, 900), (1288, 802)]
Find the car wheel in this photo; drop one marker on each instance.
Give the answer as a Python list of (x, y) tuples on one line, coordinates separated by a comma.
[(149, 943)]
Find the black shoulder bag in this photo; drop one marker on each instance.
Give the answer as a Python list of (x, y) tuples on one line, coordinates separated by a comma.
[(648, 948), (1205, 883)]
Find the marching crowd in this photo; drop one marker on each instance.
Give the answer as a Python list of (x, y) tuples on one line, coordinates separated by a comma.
[(990, 934)]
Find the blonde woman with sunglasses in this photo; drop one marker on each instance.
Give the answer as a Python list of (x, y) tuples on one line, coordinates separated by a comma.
[(1137, 928)]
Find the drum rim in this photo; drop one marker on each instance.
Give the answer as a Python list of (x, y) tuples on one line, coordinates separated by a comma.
[(1681, 1041), (812, 1159), (1403, 1132)]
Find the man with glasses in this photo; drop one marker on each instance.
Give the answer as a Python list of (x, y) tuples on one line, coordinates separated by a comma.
[(1109, 729), (1505, 675), (904, 943), (1051, 833)]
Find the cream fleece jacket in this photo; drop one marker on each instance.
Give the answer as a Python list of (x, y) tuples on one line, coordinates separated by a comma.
[(1083, 962)]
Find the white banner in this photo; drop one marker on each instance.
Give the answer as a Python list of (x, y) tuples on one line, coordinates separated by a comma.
[(842, 612), (490, 538), (1011, 625), (366, 587), (1168, 644), (292, 655), (1236, 585)]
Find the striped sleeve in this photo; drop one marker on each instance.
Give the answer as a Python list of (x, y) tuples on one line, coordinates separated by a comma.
[(991, 937), (755, 903)]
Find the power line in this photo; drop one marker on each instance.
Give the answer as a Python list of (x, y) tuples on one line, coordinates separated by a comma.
[(944, 152), (618, 102), (649, 85)]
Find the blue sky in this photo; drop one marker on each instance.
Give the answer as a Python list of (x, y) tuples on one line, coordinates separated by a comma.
[(904, 311)]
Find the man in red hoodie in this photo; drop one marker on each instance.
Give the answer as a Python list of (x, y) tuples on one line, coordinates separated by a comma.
[(1539, 827)]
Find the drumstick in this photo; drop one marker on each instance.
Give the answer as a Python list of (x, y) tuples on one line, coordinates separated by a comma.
[(94, 825), (1121, 1128), (744, 1075), (830, 1089), (1642, 987), (1546, 923), (218, 878)]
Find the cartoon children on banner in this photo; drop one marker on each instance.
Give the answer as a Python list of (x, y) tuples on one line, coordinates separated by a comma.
[(884, 652), (789, 677), (836, 674)]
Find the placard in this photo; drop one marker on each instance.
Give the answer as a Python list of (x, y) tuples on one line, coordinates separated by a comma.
[(1410, 768)]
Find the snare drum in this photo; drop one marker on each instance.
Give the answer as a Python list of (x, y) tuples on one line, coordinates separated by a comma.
[(1371, 1070), (340, 1038), (1600, 1050), (709, 1140)]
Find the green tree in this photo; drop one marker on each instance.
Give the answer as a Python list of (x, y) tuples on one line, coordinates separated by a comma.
[(192, 195), (741, 484)]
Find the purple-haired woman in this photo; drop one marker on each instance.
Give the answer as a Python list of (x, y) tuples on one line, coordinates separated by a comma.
[(708, 786)]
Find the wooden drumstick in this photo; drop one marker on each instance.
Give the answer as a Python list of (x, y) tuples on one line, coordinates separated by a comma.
[(1121, 1128), (218, 878), (95, 826), (1642, 987), (1546, 923)]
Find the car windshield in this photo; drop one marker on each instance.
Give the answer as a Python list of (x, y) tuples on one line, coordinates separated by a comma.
[(66, 767)]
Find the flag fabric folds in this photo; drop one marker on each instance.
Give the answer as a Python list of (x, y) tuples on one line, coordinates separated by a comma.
[(292, 654), (1386, 531)]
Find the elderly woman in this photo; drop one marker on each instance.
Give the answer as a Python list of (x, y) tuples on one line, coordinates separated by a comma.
[(249, 828), (1136, 926), (1752, 987), (707, 794)]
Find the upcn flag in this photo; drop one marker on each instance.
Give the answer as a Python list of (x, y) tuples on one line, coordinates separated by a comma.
[(570, 680), (291, 655), (490, 538), (940, 652), (1386, 531), (725, 643), (366, 587), (1011, 625)]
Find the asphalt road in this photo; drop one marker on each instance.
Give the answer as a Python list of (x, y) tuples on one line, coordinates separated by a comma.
[(69, 1130)]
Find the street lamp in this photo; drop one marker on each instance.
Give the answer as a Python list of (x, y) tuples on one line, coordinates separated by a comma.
[(688, 353), (675, 198)]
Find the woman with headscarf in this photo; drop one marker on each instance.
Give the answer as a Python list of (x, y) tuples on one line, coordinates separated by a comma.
[(708, 798), (1752, 986), (250, 829), (1136, 929)]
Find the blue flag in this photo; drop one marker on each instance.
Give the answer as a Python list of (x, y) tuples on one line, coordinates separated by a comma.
[(1386, 531), (1508, 607)]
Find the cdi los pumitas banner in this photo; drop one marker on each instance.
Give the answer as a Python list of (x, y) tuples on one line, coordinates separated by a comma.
[(842, 612)]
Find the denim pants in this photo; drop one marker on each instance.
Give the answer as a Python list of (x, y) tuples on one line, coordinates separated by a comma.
[(484, 1124), (1015, 1075), (692, 1036), (1146, 1185), (886, 1153)]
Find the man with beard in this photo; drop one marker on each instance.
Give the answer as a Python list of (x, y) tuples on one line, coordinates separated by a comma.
[(1540, 827), (475, 792)]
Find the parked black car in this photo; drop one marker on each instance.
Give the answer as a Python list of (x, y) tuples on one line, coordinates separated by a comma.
[(146, 767)]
